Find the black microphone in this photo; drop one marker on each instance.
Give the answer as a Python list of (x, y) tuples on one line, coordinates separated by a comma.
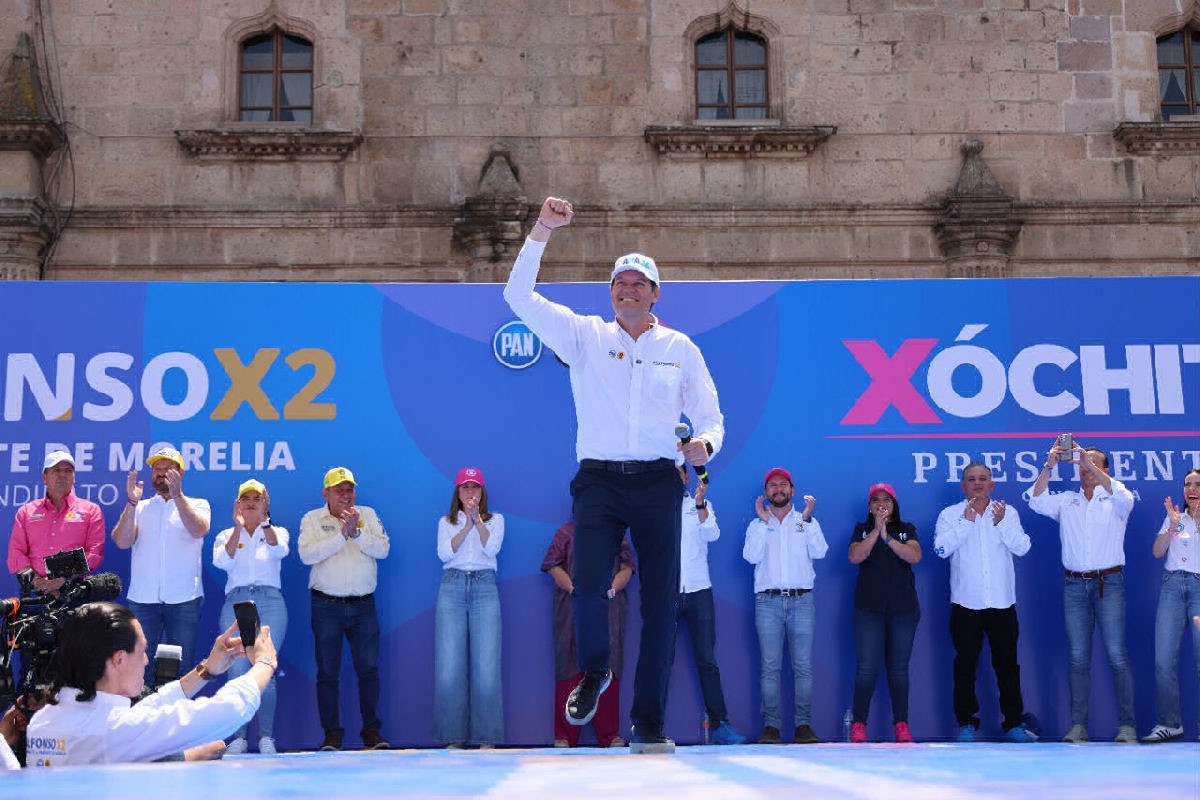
[(167, 659), (685, 435)]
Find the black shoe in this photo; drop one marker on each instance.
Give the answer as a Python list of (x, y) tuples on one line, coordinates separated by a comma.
[(651, 742), (804, 735), (581, 704), (333, 741), (770, 735)]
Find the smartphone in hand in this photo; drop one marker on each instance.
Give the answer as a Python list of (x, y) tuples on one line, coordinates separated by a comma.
[(247, 620)]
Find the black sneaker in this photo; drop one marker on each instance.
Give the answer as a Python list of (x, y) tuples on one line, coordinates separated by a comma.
[(581, 704), (650, 743), (805, 735)]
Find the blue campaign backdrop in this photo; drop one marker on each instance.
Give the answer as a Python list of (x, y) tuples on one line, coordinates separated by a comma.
[(843, 383)]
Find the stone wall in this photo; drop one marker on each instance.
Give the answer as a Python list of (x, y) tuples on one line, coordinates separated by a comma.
[(423, 108)]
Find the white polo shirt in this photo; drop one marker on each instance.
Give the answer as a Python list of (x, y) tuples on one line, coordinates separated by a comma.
[(254, 562), (165, 561), (783, 551), (628, 392), (1092, 531), (981, 555)]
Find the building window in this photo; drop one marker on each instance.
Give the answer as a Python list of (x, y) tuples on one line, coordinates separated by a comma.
[(731, 76), (276, 73), (1179, 73)]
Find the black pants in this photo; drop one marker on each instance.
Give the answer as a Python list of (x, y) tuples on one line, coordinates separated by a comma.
[(648, 505), (967, 630)]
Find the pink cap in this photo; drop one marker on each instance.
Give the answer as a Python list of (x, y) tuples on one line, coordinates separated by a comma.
[(468, 475), (777, 471), (885, 487)]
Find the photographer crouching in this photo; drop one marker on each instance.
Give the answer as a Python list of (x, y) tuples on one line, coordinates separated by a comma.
[(98, 670)]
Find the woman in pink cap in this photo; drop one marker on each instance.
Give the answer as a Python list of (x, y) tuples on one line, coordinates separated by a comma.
[(467, 703), (885, 607)]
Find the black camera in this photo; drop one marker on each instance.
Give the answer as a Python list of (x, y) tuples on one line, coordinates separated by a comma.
[(31, 623)]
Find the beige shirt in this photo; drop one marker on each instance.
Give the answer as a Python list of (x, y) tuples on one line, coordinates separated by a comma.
[(342, 567)]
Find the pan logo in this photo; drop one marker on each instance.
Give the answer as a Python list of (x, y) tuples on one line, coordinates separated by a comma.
[(515, 346)]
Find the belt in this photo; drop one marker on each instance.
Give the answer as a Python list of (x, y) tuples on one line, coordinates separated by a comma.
[(785, 592), (358, 598), (1094, 573), (627, 467)]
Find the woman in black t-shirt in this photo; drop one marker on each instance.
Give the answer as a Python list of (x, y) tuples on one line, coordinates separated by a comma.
[(885, 607)]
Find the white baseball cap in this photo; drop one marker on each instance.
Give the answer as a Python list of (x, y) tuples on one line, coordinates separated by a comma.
[(55, 458), (638, 263)]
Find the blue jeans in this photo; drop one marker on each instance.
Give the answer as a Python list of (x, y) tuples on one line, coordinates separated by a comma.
[(647, 503), (883, 637), (795, 618), (1084, 609), (467, 697), (273, 613), (1178, 603), (173, 623), (696, 610), (356, 620)]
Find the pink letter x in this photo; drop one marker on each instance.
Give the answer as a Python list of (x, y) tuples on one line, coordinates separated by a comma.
[(890, 385)]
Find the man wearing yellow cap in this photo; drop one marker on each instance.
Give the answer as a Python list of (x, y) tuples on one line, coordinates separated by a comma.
[(342, 541), (166, 532)]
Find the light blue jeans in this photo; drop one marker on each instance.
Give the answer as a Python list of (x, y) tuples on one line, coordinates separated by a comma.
[(1178, 603), (273, 613), (792, 617), (1085, 608), (467, 696)]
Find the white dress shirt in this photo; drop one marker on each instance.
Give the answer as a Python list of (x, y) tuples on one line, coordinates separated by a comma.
[(254, 563), (693, 546), (165, 563), (1092, 531), (342, 567), (471, 555), (108, 730), (628, 392), (783, 551), (1183, 553), (980, 553)]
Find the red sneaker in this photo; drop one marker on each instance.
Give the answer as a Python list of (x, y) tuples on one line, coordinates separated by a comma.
[(902, 734), (858, 732)]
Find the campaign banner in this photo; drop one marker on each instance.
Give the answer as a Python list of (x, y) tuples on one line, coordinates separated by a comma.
[(844, 383)]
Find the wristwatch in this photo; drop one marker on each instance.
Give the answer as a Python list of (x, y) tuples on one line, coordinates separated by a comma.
[(703, 504)]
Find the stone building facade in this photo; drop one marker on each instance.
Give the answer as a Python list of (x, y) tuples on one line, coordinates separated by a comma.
[(897, 139)]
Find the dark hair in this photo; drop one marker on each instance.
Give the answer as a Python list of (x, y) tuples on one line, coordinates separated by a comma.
[(894, 519), (457, 506), (974, 464), (90, 635), (1103, 455)]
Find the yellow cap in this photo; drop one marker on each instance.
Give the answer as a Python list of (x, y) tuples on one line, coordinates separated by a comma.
[(251, 486), (169, 453), (339, 475)]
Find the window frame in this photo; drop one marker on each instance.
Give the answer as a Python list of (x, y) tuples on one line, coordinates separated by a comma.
[(277, 71), (731, 68)]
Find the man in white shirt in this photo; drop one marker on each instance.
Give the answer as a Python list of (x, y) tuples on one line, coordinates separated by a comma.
[(980, 536), (782, 544), (343, 543), (166, 532), (101, 658), (631, 378), (697, 610), (1092, 528)]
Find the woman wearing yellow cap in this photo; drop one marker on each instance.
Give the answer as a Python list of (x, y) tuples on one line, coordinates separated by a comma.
[(251, 552)]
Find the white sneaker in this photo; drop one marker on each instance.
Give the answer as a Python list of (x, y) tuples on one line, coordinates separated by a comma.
[(266, 746), (1126, 734), (236, 747), (1162, 733)]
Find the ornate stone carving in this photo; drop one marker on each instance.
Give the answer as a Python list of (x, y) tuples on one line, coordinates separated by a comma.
[(1160, 138), (258, 144), (978, 225), (491, 223), (736, 141)]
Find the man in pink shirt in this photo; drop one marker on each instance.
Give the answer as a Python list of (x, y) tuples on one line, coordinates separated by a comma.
[(59, 521)]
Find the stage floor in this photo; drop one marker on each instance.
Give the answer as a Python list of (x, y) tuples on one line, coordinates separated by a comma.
[(774, 772)]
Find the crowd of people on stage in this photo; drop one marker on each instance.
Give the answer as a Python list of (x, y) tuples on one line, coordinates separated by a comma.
[(632, 510)]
